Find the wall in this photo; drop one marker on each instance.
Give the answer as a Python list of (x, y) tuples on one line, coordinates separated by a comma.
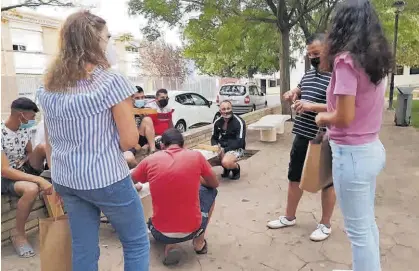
[(193, 137), (8, 216), (40, 35)]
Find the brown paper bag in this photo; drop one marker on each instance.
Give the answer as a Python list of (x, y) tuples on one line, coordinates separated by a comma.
[(317, 171), (55, 242)]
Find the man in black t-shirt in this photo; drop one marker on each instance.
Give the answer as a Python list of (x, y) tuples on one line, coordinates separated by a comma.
[(309, 98)]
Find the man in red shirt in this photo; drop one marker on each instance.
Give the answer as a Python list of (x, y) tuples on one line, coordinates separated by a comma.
[(183, 191)]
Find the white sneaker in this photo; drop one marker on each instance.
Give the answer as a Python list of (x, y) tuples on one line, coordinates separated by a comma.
[(321, 233), (281, 222)]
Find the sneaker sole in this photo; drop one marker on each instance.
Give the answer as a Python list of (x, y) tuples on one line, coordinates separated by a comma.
[(319, 240), (280, 227)]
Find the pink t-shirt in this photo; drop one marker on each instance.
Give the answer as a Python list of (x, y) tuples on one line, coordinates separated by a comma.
[(348, 79)]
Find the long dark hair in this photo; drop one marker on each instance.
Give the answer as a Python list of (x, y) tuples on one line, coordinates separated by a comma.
[(355, 28)]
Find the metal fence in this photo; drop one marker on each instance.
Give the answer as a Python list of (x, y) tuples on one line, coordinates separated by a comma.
[(205, 85)]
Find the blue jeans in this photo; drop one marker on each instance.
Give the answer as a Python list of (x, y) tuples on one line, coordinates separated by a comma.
[(355, 168), (122, 206)]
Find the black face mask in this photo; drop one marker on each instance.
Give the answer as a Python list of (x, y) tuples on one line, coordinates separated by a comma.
[(315, 62), (163, 102)]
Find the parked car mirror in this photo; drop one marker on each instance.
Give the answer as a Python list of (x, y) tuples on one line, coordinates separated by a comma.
[(262, 94), (209, 103)]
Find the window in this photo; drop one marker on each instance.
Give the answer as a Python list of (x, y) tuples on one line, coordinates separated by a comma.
[(132, 49), (253, 90), (185, 99), (272, 83), (198, 100), (19, 47), (233, 90), (399, 70), (414, 70)]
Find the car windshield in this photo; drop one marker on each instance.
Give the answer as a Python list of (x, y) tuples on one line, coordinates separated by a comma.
[(233, 90)]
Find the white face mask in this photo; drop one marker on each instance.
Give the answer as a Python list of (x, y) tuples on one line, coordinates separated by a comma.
[(111, 54)]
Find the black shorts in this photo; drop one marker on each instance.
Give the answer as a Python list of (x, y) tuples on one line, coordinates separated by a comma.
[(206, 200), (8, 186), (297, 158), (142, 141)]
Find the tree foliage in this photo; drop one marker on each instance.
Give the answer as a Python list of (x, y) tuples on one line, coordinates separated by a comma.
[(231, 46), (161, 59), (38, 3), (408, 32)]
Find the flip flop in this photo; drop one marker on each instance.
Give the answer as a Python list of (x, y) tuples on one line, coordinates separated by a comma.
[(204, 249), (173, 257), (24, 250)]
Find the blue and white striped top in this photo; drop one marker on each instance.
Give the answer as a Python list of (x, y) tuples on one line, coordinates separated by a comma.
[(82, 132)]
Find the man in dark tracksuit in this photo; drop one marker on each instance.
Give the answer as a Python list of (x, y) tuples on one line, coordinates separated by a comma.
[(229, 133)]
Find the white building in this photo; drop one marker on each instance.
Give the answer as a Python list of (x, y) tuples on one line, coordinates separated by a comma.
[(28, 43), (128, 53)]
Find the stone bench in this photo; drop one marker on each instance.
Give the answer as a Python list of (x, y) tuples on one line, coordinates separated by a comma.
[(269, 126)]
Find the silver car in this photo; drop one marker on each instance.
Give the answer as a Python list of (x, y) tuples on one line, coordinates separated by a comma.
[(244, 97)]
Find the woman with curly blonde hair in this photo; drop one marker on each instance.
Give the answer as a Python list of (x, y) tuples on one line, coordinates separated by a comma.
[(87, 110)]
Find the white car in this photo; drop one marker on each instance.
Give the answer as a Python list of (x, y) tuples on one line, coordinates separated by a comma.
[(191, 109), (244, 97)]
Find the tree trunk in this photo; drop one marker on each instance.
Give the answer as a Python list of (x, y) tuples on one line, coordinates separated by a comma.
[(285, 70)]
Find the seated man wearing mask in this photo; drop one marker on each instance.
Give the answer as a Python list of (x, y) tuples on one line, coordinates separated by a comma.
[(21, 166), (183, 191), (163, 120), (229, 133), (145, 129)]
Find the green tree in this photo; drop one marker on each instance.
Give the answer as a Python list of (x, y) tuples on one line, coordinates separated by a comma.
[(231, 47), (408, 33)]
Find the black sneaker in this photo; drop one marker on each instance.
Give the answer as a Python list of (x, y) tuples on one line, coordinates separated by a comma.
[(236, 173), (226, 173)]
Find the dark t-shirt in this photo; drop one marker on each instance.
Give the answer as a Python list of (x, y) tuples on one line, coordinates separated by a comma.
[(313, 87)]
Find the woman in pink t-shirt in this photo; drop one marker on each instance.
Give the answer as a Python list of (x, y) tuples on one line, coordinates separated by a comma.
[(360, 57)]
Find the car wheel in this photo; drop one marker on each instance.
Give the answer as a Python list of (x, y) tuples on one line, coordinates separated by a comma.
[(181, 126), (216, 117), (266, 103), (254, 108)]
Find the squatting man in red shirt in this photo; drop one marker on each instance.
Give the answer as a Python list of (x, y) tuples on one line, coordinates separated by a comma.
[(183, 191), (229, 133)]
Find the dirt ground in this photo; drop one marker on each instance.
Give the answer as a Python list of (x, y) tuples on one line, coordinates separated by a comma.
[(239, 240)]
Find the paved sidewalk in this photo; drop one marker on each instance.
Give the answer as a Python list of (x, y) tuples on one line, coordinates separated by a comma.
[(239, 240)]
